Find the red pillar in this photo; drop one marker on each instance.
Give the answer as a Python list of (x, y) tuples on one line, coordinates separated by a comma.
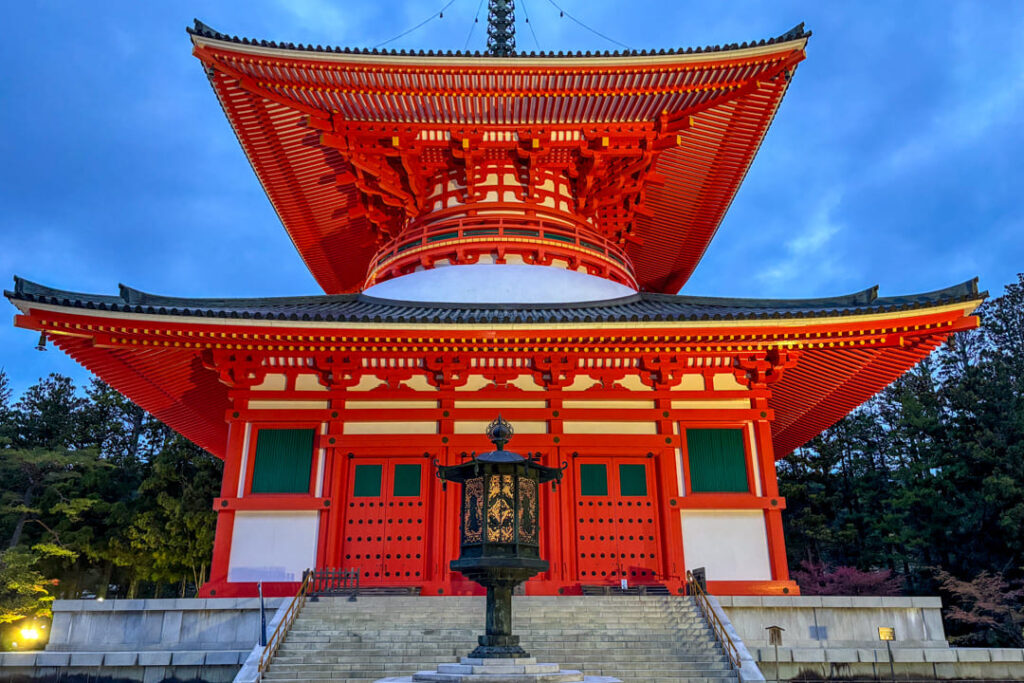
[(667, 481), (226, 517), (772, 516)]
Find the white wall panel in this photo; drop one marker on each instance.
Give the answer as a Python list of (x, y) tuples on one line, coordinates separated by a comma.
[(272, 546), (731, 544)]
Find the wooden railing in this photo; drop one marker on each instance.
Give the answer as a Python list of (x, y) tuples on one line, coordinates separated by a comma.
[(281, 631), (721, 635), (449, 228)]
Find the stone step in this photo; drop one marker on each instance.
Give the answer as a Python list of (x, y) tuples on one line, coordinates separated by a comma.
[(378, 649), (412, 610), (470, 614), (626, 677), (564, 654), (645, 639), (467, 644), (569, 633), (381, 671), (343, 622), (410, 664), (467, 640), (447, 635)]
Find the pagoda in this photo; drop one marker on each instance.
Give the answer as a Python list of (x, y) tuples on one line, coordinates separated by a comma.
[(498, 232)]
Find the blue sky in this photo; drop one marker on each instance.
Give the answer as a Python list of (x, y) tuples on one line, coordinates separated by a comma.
[(895, 158)]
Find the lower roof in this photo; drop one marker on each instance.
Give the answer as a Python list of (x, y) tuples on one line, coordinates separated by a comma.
[(351, 308), (151, 348)]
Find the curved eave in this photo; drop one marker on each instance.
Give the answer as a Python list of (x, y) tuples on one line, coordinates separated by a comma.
[(730, 96), (202, 34), (148, 347), (643, 308), (828, 384)]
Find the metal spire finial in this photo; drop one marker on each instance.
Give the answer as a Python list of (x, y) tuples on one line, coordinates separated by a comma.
[(500, 433), (501, 28)]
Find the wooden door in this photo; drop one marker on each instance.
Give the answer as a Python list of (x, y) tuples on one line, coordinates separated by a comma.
[(616, 527), (385, 522)]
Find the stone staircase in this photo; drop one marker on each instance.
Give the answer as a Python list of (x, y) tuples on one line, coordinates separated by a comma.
[(649, 639)]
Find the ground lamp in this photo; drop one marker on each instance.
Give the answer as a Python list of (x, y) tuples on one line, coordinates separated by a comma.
[(500, 544)]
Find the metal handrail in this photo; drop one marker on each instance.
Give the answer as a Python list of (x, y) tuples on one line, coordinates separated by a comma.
[(721, 635), (281, 631)]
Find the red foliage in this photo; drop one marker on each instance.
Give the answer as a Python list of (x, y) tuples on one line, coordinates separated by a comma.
[(986, 611), (817, 578)]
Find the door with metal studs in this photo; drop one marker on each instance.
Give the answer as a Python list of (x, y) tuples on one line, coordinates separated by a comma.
[(616, 521), (385, 521)]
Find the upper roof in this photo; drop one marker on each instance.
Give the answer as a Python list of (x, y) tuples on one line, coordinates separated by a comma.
[(349, 308), (201, 30), (709, 109)]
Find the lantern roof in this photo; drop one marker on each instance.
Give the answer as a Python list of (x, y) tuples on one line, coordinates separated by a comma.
[(471, 468)]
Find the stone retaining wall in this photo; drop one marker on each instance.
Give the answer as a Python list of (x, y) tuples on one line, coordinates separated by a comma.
[(205, 639), (835, 621), (833, 637)]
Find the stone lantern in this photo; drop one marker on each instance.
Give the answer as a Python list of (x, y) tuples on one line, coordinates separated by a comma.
[(500, 544)]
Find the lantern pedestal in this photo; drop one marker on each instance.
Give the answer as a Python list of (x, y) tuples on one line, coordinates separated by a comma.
[(499, 576)]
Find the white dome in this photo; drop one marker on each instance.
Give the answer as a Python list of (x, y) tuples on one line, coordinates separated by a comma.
[(499, 284)]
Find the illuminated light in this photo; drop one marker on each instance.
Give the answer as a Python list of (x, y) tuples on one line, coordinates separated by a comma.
[(29, 633)]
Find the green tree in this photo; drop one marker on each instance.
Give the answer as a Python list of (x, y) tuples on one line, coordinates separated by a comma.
[(5, 409), (927, 478), (47, 415), (177, 532), (23, 589), (99, 495)]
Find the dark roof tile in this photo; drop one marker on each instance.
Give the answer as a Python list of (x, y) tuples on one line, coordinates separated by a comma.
[(360, 308), (203, 31)]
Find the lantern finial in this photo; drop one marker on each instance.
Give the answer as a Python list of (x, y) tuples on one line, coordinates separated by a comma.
[(500, 433)]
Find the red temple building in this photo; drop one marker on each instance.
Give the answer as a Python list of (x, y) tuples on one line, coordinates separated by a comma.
[(498, 233)]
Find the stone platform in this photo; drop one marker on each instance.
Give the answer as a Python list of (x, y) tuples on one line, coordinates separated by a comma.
[(519, 670)]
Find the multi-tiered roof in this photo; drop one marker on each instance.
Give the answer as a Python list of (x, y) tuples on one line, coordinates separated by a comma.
[(382, 163)]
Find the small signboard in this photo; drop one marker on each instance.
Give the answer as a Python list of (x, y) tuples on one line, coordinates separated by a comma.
[(886, 633), (775, 635)]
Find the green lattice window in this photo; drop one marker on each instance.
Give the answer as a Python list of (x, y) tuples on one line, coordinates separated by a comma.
[(284, 460), (594, 480), (367, 481), (407, 481), (633, 480), (718, 461)]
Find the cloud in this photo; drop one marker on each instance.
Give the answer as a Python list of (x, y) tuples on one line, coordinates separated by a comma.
[(809, 258), (329, 23), (980, 95)]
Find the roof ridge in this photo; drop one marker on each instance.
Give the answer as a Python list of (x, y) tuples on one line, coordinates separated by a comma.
[(205, 31), (860, 298)]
